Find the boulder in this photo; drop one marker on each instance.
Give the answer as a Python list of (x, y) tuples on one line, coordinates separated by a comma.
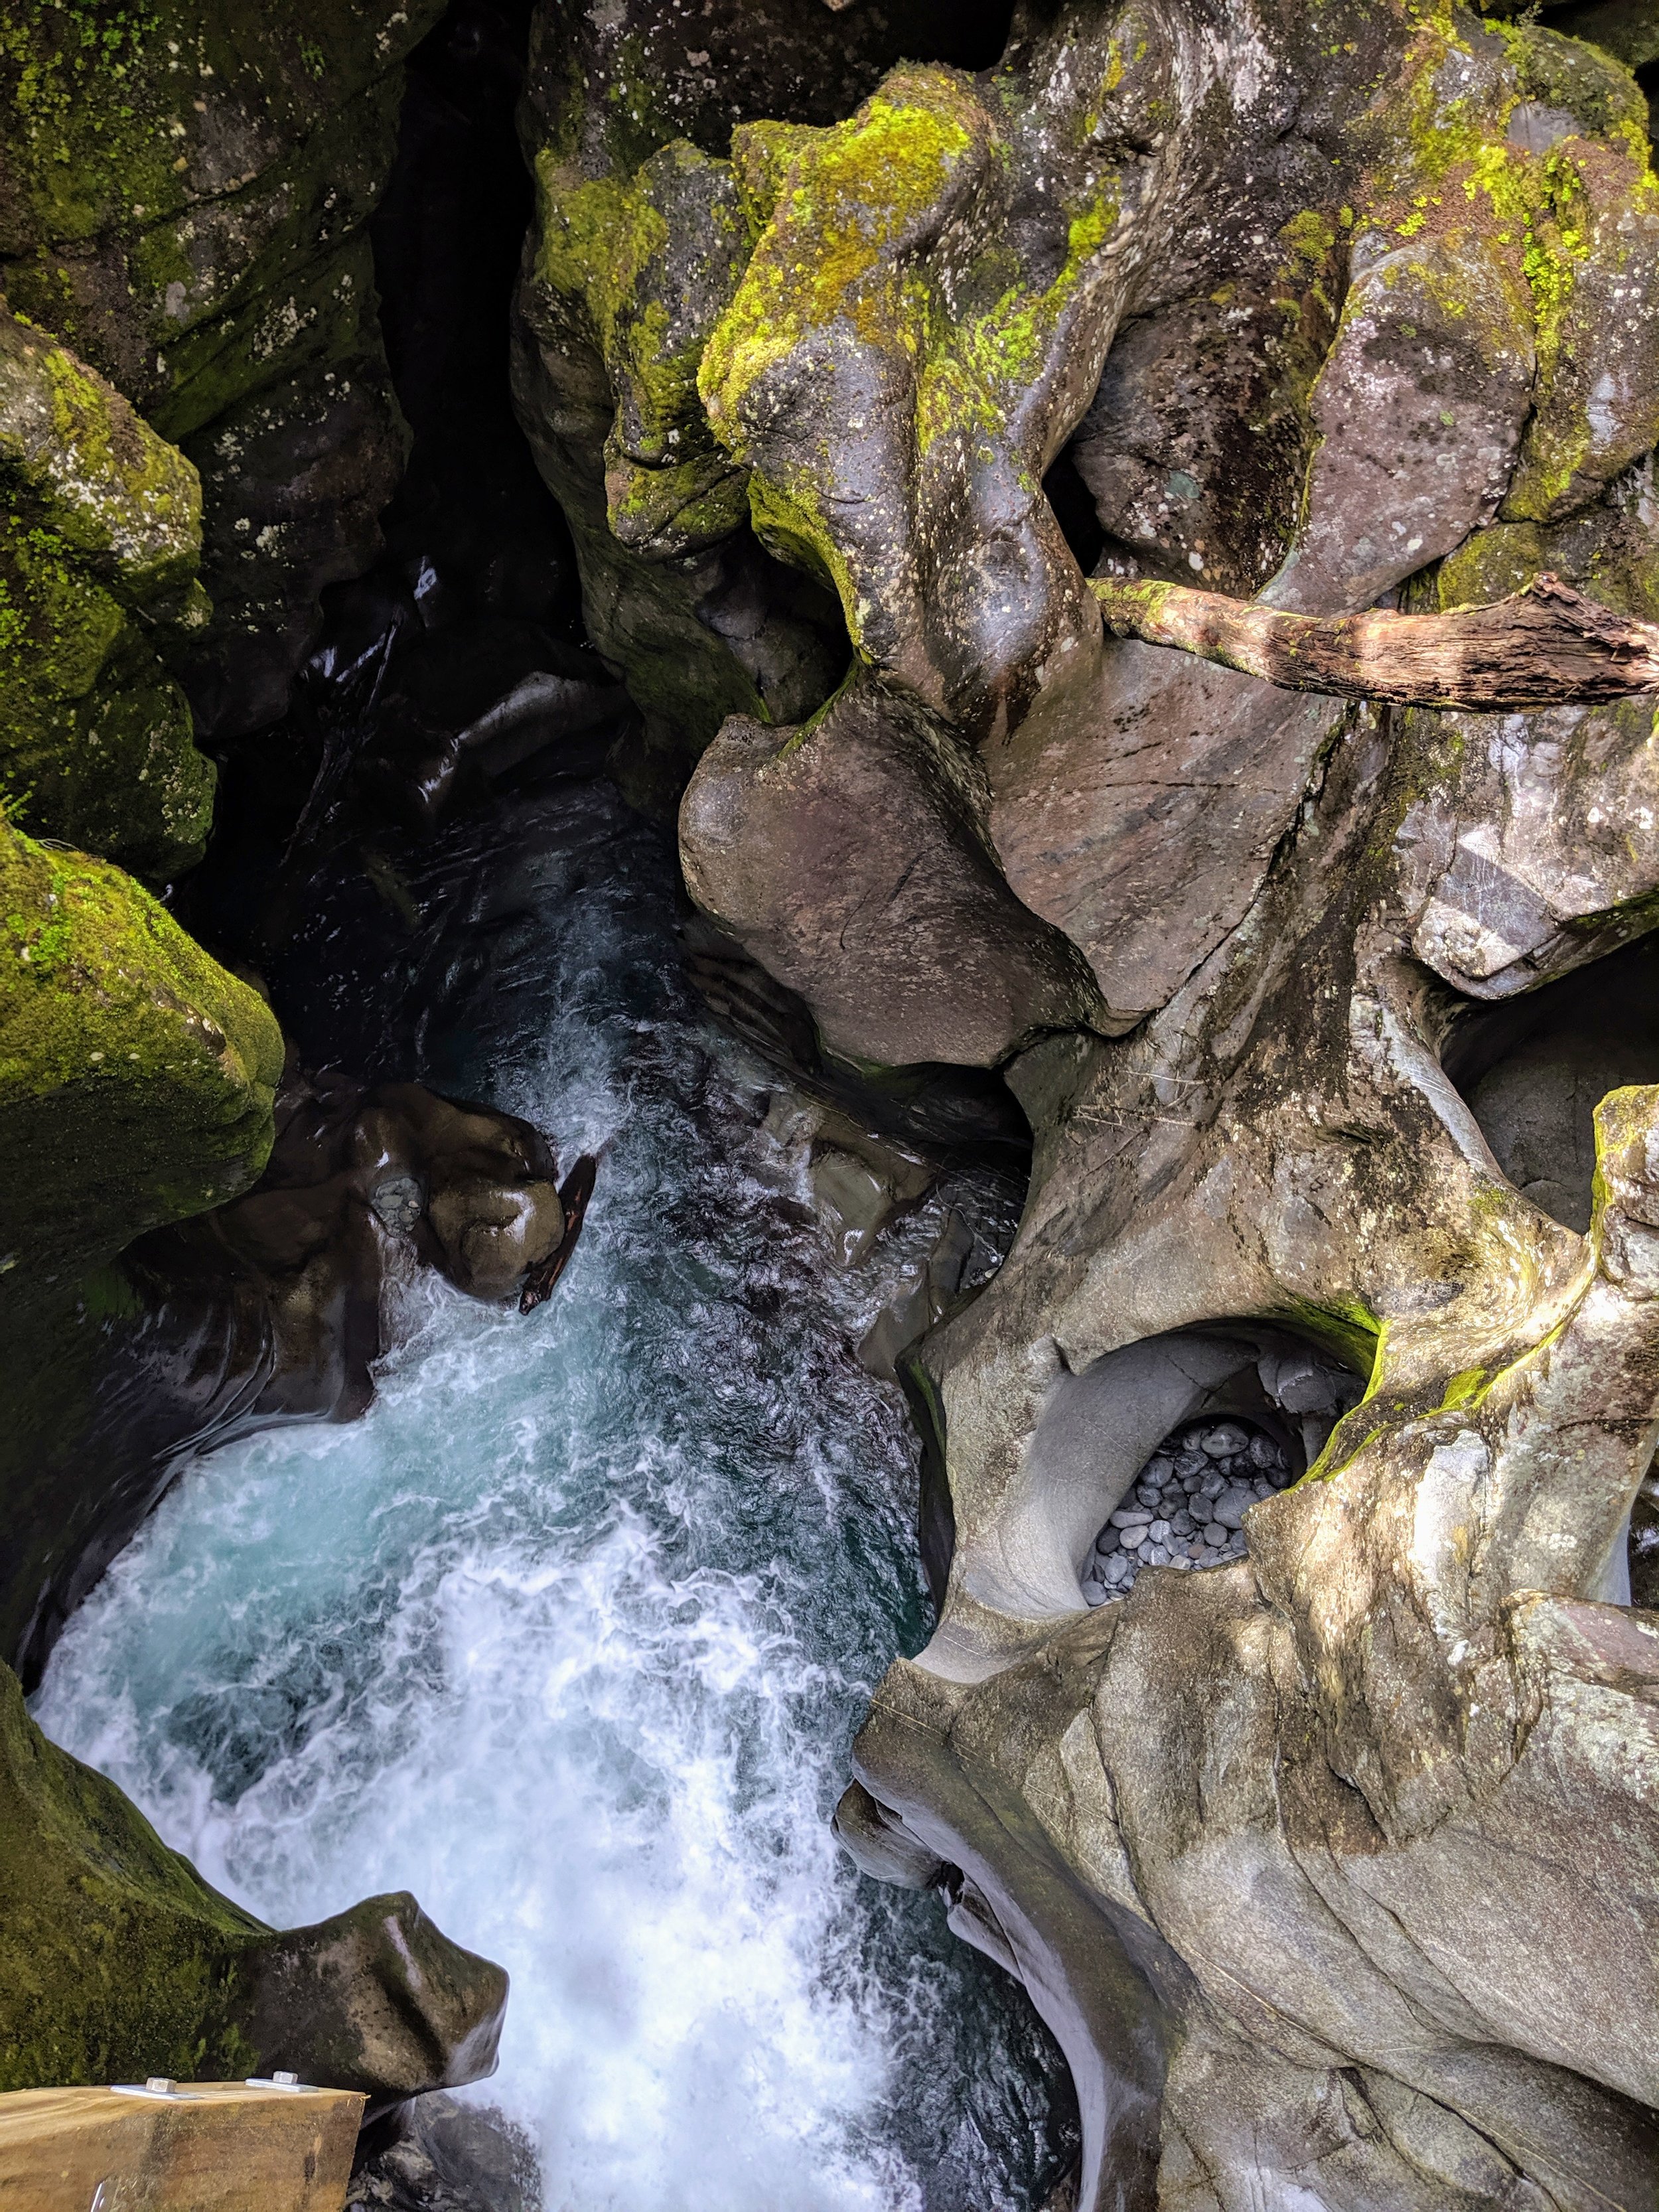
[(848, 858), (136, 1077)]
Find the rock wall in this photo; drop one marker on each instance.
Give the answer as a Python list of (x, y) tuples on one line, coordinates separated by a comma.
[(1330, 1866), (183, 197)]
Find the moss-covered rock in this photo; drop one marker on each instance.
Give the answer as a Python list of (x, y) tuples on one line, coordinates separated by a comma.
[(136, 1076), (100, 539), (645, 267), (182, 197), (118, 1961), (629, 274)]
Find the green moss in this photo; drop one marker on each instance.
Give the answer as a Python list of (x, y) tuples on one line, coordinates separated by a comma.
[(848, 199), (77, 459), (99, 533), (974, 370), (795, 530), (1572, 74), (117, 1960), (1466, 1389), (102, 97), (1347, 1327), (1490, 565), (74, 74), (1310, 238), (1449, 166), (762, 154), (136, 1078)]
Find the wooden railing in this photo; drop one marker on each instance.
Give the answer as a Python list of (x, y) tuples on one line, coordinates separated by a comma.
[(166, 2147)]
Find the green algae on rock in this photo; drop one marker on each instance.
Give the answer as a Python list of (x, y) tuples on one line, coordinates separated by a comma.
[(117, 1960), (136, 1077), (646, 267), (100, 539)]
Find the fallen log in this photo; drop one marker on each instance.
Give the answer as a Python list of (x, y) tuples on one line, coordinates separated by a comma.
[(1545, 646)]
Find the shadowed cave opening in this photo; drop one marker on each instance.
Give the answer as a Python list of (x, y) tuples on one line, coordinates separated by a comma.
[(1125, 1435), (1532, 1070)]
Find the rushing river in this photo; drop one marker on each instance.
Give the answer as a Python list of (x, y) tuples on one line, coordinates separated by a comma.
[(570, 1633)]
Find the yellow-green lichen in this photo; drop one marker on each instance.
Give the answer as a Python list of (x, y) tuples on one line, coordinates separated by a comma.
[(1557, 212), (843, 263), (640, 267), (1347, 1327), (851, 198)]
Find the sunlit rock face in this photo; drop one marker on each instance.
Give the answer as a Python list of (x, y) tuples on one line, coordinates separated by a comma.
[(1331, 1864)]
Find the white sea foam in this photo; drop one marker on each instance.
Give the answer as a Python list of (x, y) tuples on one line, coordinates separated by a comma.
[(568, 1635)]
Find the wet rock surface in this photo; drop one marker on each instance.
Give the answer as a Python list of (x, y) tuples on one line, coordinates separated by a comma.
[(276, 1306), (436, 2154)]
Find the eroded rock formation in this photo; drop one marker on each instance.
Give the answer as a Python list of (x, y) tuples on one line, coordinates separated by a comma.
[(1331, 1868)]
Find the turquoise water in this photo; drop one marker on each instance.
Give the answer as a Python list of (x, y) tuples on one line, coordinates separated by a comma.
[(569, 1635)]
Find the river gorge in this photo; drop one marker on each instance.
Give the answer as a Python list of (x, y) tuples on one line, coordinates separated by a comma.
[(830, 1095)]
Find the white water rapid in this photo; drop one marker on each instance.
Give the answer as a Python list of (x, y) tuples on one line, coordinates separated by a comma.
[(570, 1633)]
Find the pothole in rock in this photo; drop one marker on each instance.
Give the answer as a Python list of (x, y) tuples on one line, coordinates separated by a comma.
[(1187, 1504)]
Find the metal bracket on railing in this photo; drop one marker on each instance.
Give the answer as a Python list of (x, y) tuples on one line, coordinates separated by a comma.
[(157, 2086)]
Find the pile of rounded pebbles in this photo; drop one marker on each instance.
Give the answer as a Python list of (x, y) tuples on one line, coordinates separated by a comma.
[(1187, 1505)]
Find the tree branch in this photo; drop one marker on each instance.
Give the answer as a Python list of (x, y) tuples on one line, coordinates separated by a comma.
[(1543, 646)]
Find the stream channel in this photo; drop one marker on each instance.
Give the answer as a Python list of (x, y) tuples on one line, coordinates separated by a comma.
[(569, 1634)]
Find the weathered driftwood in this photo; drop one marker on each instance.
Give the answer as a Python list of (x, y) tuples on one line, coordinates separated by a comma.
[(1545, 646)]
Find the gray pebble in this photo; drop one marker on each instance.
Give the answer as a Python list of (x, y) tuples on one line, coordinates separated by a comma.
[(1233, 1504), (1127, 1517), (1215, 1536)]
